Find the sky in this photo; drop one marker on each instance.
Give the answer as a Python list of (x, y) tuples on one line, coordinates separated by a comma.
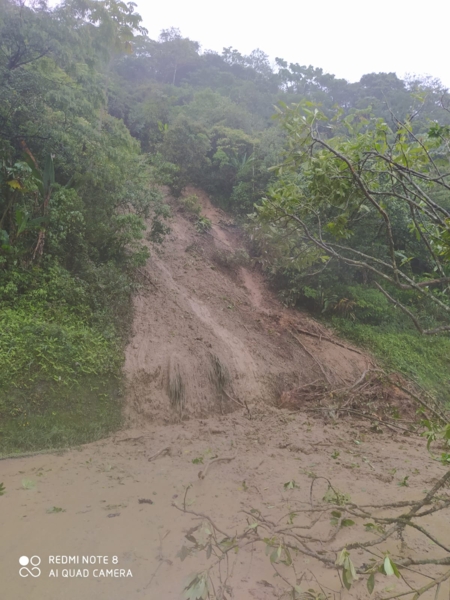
[(345, 37)]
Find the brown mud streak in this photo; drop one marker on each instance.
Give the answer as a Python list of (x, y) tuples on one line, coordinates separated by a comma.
[(204, 313)]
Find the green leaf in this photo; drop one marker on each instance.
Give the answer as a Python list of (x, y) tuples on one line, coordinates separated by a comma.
[(274, 556), (388, 569), (342, 557), (290, 485), (371, 583), (395, 569), (347, 523), (55, 509), (183, 553), (353, 570), (28, 484), (346, 578)]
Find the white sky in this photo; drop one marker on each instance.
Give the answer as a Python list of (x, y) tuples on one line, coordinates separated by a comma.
[(345, 37)]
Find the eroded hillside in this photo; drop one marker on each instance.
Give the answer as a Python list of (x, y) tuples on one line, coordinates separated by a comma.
[(218, 471), (209, 336)]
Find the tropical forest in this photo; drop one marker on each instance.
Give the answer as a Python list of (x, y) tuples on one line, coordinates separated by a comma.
[(233, 261)]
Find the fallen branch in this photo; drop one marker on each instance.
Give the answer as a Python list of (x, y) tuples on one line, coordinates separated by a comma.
[(202, 474), (440, 416), (129, 439), (241, 404), (425, 588), (327, 339), (160, 452), (282, 539), (356, 412), (318, 363)]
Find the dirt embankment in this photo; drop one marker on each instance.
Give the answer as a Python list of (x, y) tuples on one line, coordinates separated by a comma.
[(211, 340), (209, 336)]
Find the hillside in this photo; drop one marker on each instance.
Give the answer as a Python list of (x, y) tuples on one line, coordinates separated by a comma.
[(211, 328), (224, 319), (207, 324)]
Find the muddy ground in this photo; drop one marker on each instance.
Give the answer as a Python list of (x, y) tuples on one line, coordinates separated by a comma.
[(212, 357)]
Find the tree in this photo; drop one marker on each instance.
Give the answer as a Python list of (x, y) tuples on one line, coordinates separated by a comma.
[(174, 56), (186, 144), (355, 191)]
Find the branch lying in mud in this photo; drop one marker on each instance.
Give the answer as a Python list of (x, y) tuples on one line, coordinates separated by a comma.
[(159, 453), (241, 404), (362, 399), (374, 419), (311, 355), (328, 339), (202, 474), (285, 541)]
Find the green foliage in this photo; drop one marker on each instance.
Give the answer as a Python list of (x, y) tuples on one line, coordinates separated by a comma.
[(348, 568), (343, 177), (28, 484), (232, 260), (334, 496), (335, 517), (191, 204), (75, 192), (55, 509), (203, 224), (340, 179), (290, 485), (386, 567), (435, 432), (45, 349), (83, 93), (59, 376), (422, 359), (196, 587)]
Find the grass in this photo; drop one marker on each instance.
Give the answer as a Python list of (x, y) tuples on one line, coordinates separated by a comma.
[(423, 359), (176, 387), (219, 375), (60, 379), (88, 411)]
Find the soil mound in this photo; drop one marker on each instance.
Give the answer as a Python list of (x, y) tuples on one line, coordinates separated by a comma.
[(209, 336)]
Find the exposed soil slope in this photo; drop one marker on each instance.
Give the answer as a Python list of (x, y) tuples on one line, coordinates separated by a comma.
[(211, 341), (209, 335)]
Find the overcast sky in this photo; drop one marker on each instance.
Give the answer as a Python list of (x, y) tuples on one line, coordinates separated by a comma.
[(347, 38)]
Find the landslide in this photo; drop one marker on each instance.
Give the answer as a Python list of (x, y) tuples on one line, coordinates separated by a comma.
[(209, 336)]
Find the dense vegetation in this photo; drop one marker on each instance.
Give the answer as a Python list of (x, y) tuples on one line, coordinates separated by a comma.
[(94, 116), (74, 190), (208, 120)]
